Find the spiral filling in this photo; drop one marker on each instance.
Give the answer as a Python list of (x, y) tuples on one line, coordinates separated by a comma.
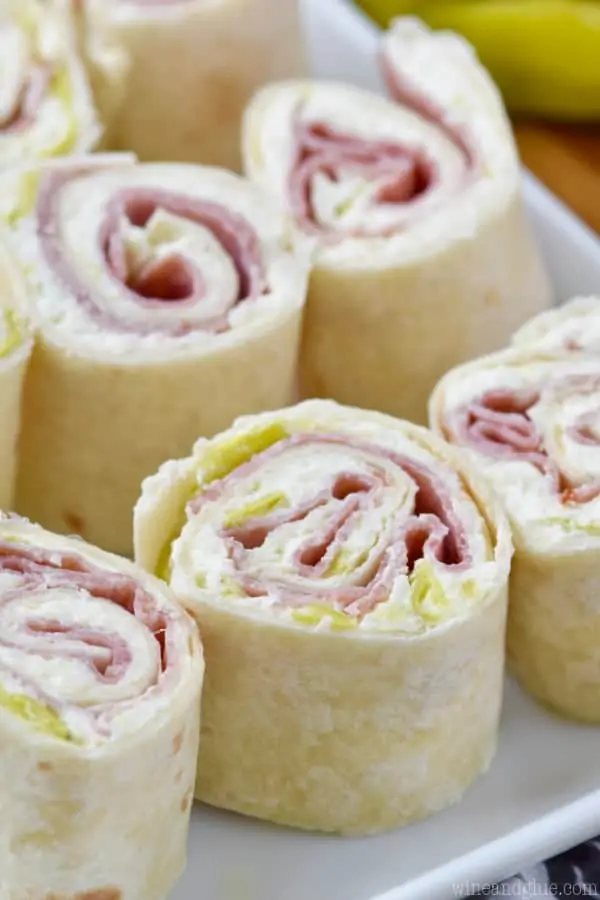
[(35, 90), (503, 424), (346, 529), (385, 172), (144, 241), (80, 646), (360, 182)]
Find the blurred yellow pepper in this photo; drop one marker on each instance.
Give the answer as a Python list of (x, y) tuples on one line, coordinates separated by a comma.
[(543, 54)]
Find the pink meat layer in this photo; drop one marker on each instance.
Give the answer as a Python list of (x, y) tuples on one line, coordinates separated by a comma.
[(498, 425), (28, 101), (105, 653), (173, 279), (405, 173), (432, 531)]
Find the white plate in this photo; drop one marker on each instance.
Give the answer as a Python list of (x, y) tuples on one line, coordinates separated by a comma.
[(542, 793)]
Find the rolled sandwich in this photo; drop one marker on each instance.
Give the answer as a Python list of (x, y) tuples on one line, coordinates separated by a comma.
[(167, 300), (572, 326), (15, 351), (530, 420), (100, 680), (46, 107), (350, 578), (425, 258), (172, 77)]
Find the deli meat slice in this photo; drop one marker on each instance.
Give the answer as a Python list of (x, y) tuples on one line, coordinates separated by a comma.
[(350, 576), (101, 675)]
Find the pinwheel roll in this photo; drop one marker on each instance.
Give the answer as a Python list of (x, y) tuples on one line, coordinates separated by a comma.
[(15, 352), (167, 300), (572, 326), (172, 77), (100, 681), (531, 420), (425, 258), (350, 580), (46, 108)]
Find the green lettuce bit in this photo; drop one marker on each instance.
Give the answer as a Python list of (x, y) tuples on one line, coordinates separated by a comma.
[(41, 717), (591, 528), (164, 566), (225, 456), (344, 562), (62, 89), (340, 564), (315, 613), (13, 337), (346, 205), (259, 507), (427, 592), (230, 587), (218, 461), (470, 589), (26, 199)]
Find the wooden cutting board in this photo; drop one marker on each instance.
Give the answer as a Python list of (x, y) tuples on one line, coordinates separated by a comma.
[(567, 159)]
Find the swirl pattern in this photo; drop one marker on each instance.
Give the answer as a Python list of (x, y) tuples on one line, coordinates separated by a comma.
[(414, 204), (169, 256), (46, 107), (536, 421), (322, 548), (530, 418), (350, 528), (350, 177), (92, 646), (154, 290), (101, 676)]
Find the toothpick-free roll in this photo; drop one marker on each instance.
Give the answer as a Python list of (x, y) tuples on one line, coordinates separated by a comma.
[(167, 299), (172, 77), (425, 257), (530, 419), (349, 576), (100, 680)]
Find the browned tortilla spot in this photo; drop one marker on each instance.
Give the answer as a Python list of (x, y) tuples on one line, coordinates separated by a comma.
[(74, 522)]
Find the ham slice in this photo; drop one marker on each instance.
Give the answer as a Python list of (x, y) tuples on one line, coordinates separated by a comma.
[(410, 96), (498, 425), (171, 279), (46, 569), (28, 100), (403, 173), (432, 531)]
